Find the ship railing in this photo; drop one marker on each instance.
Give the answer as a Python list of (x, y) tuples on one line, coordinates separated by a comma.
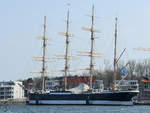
[(60, 93)]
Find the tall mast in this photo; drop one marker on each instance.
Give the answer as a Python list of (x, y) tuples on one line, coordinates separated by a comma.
[(66, 56), (91, 53), (66, 53), (115, 56), (92, 49), (43, 57)]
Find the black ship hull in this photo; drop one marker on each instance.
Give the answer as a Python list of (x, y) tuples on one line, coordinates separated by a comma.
[(105, 98)]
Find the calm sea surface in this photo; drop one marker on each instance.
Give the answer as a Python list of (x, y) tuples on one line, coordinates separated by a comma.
[(73, 109)]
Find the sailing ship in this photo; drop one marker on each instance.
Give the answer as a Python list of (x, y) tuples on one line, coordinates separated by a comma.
[(66, 97)]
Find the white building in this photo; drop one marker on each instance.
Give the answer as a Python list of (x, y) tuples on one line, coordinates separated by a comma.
[(11, 90)]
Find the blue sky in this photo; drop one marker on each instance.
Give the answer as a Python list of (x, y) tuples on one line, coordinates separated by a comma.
[(21, 22)]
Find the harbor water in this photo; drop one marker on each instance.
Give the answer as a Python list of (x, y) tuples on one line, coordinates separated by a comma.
[(73, 109)]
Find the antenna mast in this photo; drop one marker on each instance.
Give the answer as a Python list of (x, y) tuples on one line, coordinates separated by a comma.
[(115, 56), (43, 57)]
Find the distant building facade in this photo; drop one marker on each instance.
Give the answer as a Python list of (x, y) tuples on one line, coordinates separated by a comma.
[(126, 85), (144, 89), (73, 81), (52, 84), (11, 90)]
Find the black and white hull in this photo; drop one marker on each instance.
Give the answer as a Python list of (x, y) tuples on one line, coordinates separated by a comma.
[(105, 98)]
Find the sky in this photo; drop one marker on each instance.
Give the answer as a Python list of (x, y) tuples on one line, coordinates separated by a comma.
[(21, 23)]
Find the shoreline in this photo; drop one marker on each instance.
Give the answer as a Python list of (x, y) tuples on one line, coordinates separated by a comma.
[(12, 102)]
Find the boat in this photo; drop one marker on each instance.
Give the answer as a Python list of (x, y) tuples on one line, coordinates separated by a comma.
[(65, 97)]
